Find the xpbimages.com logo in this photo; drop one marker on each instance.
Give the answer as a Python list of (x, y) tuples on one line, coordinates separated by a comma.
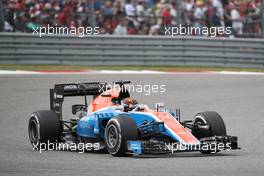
[(57, 146), (146, 89), (212, 147), (62, 30), (197, 31)]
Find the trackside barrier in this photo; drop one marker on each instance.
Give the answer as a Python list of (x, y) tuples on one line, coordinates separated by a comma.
[(21, 48)]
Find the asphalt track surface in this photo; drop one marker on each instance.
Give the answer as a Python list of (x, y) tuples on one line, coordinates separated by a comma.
[(239, 99)]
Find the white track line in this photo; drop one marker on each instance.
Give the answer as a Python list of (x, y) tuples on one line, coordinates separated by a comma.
[(16, 72), (128, 72), (19, 72), (240, 73)]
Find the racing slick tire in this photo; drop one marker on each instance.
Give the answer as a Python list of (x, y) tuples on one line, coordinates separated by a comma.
[(216, 126), (43, 127), (117, 132)]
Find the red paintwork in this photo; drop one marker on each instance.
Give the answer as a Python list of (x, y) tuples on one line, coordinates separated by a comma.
[(102, 102), (176, 127)]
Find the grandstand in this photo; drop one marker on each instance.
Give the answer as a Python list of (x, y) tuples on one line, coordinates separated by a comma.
[(134, 17)]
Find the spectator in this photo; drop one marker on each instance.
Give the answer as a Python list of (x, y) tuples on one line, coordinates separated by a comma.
[(20, 22), (189, 5), (8, 27), (166, 16), (118, 10), (237, 24), (140, 11), (121, 28), (227, 15), (199, 11), (131, 29), (130, 9), (251, 16), (209, 12), (107, 9), (199, 15), (173, 13), (216, 18), (219, 6)]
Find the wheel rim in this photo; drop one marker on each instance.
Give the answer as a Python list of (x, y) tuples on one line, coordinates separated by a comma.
[(33, 131), (201, 133), (112, 136)]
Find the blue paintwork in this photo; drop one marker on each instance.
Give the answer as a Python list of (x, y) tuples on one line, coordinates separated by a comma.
[(91, 125), (134, 147)]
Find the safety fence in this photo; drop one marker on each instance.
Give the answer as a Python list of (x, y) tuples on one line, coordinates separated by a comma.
[(21, 48)]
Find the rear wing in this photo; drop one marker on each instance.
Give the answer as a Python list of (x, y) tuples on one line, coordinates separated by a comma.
[(60, 91)]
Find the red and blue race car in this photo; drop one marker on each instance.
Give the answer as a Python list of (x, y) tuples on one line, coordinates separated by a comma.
[(118, 123)]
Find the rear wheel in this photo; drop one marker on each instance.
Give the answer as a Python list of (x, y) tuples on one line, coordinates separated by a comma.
[(44, 126), (117, 132), (216, 126)]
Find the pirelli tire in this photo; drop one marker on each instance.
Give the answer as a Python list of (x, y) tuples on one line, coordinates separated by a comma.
[(44, 127), (117, 132), (216, 126)]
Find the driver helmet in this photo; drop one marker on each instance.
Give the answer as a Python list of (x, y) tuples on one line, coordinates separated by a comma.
[(129, 101)]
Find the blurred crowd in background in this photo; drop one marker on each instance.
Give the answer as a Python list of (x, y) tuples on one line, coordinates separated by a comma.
[(130, 17)]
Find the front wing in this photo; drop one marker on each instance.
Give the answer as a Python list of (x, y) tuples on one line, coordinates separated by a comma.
[(212, 144)]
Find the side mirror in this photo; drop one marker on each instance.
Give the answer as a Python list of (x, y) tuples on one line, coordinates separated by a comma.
[(160, 107)]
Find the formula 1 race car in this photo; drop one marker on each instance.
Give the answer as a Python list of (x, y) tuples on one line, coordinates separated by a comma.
[(121, 125)]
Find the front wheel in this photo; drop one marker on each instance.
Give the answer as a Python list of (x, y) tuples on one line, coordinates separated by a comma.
[(117, 132), (216, 126)]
